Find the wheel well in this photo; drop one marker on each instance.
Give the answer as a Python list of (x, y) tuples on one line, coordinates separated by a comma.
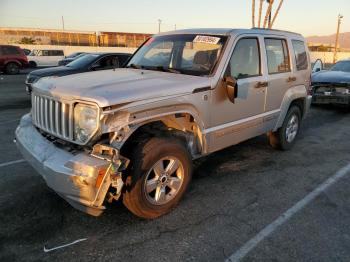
[(32, 63), (181, 126), (300, 102), (13, 62)]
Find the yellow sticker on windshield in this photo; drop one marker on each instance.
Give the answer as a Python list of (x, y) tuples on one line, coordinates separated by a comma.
[(206, 39)]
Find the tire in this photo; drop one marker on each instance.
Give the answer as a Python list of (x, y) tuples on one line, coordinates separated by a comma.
[(151, 193), (284, 138), (12, 68), (32, 64)]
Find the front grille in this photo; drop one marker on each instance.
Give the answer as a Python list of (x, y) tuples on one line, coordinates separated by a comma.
[(53, 116)]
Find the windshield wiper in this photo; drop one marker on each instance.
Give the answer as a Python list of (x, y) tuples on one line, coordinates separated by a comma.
[(168, 69)]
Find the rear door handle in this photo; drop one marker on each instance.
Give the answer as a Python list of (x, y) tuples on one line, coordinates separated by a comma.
[(291, 79), (261, 84)]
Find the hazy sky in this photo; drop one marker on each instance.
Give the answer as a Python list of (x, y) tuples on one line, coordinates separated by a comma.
[(308, 17)]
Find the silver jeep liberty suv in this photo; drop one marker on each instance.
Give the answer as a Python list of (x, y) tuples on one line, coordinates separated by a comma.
[(132, 133)]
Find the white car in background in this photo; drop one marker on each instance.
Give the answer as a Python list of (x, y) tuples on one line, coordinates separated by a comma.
[(42, 57)]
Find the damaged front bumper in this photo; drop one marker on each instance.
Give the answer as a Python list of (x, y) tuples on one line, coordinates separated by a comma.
[(82, 179)]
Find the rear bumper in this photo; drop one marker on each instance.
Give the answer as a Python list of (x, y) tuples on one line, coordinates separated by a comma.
[(73, 177), (340, 99)]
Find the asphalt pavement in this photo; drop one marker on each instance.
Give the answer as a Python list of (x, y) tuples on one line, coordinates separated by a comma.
[(234, 195)]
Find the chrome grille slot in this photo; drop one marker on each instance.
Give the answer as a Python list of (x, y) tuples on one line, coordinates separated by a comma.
[(53, 116)]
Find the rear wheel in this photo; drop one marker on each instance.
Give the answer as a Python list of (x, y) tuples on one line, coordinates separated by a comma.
[(12, 68), (159, 175), (284, 138)]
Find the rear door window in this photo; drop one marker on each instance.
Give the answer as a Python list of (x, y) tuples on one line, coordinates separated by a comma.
[(300, 55), (277, 55)]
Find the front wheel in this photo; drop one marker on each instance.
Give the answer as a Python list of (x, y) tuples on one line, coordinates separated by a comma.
[(159, 175), (284, 138)]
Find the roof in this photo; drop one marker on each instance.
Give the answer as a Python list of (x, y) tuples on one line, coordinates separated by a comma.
[(231, 31)]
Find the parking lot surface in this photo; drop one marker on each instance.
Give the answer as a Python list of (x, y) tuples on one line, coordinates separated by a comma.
[(235, 193)]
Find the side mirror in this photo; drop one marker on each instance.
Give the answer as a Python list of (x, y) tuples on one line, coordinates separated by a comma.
[(231, 87)]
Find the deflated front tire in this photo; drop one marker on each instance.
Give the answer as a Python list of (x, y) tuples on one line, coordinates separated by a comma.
[(160, 172)]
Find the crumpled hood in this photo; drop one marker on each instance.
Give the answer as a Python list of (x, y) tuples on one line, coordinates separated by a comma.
[(108, 87), (331, 77)]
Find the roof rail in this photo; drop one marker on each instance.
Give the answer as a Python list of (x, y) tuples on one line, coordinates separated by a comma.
[(277, 30)]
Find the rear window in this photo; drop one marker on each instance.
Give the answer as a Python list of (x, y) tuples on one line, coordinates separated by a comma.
[(300, 54), (277, 55), (10, 50)]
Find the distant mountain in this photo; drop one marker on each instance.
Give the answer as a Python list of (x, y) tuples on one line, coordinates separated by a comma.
[(344, 39)]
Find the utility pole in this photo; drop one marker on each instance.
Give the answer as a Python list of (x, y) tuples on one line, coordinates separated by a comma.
[(340, 17), (62, 23), (159, 22), (175, 27)]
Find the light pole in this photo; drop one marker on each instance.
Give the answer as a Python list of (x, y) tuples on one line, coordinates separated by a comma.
[(340, 17), (62, 23), (159, 22)]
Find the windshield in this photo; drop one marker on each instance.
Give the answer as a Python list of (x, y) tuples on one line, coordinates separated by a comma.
[(83, 61), (343, 66), (185, 54)]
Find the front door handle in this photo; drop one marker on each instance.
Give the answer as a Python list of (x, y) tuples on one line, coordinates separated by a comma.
[(261, 84), (291, 79)]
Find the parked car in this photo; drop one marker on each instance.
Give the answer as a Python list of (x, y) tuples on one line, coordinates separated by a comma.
[(40, 57), (134, 131), (332, 86), (85, 63), (12, 59), (70, 58)]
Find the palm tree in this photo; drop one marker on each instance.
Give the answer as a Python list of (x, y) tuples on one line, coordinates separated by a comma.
[(253, 13), (275, 16), (260, 10), (268, 12)]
